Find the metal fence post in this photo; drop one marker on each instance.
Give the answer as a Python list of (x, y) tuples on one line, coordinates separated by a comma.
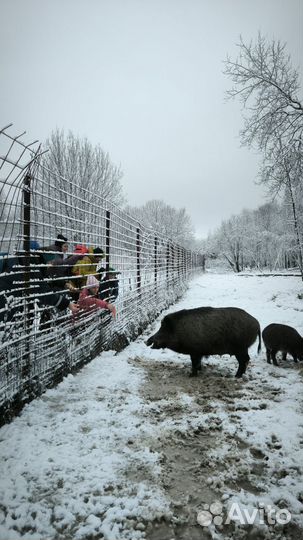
[(167, 262), (107, 240), (28, 305), (138, 248), (181, 261), (185, 263), (156, 259), (174, 262)]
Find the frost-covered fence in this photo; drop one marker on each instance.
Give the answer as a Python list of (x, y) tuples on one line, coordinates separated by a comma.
[(41, 340)]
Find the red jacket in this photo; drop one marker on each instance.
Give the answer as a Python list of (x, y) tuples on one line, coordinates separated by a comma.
[(90, 303)]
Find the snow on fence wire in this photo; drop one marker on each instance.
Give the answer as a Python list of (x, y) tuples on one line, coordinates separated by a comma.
[(41, 340)]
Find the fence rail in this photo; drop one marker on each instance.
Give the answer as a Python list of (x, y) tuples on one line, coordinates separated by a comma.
[(41, 340)]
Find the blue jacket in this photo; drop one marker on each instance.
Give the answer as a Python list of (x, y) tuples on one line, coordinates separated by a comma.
[(14, 285)]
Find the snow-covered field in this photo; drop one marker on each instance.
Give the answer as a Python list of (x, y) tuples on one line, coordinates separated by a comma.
[(132, 448)]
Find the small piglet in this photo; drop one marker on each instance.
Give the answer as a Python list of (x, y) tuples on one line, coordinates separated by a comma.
[(280, 337)]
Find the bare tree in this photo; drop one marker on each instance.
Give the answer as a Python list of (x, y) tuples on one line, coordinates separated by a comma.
[(281, 171), (229, 242), (267, 85), (75, 178), (86, 165)]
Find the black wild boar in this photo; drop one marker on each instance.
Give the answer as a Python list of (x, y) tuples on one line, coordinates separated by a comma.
[(205, 331), (280, 337)]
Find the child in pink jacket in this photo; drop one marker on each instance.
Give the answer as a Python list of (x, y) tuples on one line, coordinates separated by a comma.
[(88, 302)]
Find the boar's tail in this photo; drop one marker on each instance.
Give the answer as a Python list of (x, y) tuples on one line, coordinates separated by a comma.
[(259, 346)]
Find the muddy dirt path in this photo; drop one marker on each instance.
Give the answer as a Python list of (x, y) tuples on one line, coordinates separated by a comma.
[(207, 455)]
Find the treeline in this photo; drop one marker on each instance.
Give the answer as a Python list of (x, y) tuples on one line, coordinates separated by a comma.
[(74, 166), (172, 222), (256, 239)]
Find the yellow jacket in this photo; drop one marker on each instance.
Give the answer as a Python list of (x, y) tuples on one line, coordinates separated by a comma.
[(84, 268)]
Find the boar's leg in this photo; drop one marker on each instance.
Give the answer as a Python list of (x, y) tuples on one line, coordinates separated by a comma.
[(196, 364), (268, 356), (273, 355), (243, 359), (294, 357)]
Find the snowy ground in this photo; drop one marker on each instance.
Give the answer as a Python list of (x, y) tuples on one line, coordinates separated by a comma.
[(132, 448)]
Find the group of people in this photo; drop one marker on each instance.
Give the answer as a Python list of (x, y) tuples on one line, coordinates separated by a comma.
[(60, 279), (90, 285)]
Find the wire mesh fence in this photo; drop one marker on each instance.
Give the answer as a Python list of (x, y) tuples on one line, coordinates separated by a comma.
[(54, 234)]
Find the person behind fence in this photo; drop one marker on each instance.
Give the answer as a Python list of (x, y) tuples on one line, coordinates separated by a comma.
[(60, 271), (56, 250), (109, 285), (88, 265), (88, 300), (22, 274)]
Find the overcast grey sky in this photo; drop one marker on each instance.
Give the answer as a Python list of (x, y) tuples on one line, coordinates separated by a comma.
[(144, 79)]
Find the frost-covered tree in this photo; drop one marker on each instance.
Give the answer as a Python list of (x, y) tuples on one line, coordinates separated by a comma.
[(281, 172), (268, 87), (261, 238), (227, 243), (171, 222), (87, 166), (76, 176)]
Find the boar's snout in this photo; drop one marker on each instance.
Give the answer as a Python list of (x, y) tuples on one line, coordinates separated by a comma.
[(154, 342), (150, 341)]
